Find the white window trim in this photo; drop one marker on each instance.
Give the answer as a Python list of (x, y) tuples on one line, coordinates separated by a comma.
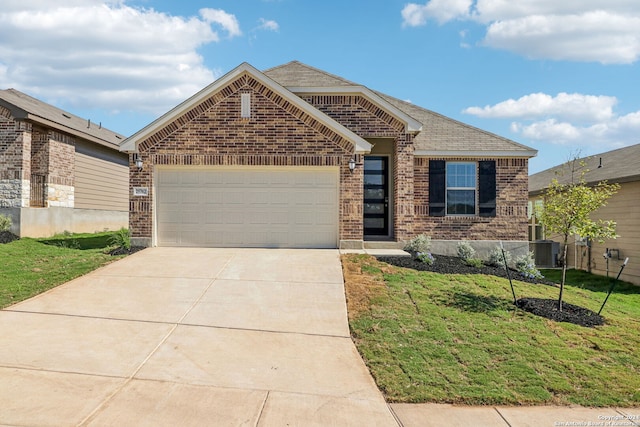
[(447, 188)]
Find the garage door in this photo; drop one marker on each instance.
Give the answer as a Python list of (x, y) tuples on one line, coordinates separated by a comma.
[(248, 207)]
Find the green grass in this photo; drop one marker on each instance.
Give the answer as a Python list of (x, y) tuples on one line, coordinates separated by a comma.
[(32, 266), (459, 339)]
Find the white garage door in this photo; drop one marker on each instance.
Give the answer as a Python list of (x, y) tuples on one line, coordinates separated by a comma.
[(248, 207)]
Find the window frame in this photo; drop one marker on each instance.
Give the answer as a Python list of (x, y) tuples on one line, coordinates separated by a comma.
[(475, 188)]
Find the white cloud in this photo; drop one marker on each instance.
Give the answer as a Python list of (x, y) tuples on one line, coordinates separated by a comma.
[(414, 15), (224, 19), (268, 25), (106, 54), (572, 106), (575, 119), (587, 31)]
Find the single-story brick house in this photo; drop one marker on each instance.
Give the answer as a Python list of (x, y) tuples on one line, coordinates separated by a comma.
[(620, 166), (59, 172), (297, 157)]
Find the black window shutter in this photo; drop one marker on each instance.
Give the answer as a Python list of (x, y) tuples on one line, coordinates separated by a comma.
[(487, 188), (437, 172)]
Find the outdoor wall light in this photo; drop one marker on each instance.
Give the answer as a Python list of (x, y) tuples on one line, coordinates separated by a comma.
[(352, 164), (138, 161)]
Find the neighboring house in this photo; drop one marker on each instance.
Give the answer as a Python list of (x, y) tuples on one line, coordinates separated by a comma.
[(296, 157), (618, 166), (59, 172)]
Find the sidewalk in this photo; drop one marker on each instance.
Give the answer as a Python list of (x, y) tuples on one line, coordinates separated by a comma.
[(432, 415)]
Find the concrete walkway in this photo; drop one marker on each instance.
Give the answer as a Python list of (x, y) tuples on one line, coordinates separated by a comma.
[(206, 337), (190, 337)]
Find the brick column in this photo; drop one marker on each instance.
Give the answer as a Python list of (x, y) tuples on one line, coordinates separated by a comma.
[(403, 188)]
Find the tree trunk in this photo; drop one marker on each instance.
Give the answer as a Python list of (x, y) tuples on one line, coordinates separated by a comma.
[(564, 276)]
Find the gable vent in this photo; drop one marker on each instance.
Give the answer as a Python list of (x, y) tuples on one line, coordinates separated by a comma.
[(245, 105)]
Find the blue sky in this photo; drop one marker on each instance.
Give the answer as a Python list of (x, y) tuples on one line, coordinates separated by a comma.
[(561, 78)]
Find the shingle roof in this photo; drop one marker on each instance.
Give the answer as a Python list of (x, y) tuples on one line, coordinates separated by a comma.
[(25, 107), (621, 165), (439, 133), (296, 73)]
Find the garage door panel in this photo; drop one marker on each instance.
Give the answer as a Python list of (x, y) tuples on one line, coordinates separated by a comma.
[(252, 207)]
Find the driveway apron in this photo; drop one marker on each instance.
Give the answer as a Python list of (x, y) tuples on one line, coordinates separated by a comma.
[(190, 336)]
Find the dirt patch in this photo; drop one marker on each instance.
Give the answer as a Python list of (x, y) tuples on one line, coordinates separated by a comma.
[(362, 287), (548, 308), (7, 237)]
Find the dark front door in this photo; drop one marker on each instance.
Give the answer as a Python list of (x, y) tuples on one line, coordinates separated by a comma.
[(376, 196)]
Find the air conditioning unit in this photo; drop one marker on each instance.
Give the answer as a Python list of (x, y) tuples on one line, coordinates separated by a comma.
[(545, 253)]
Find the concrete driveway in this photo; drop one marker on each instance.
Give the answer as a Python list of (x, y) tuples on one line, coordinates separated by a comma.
[(179, 336)]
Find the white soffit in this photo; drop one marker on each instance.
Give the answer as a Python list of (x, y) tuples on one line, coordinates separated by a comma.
[(444, 153), (411, 124), (131, 144)]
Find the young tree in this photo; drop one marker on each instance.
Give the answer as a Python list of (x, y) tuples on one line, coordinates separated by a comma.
[(567, 211)]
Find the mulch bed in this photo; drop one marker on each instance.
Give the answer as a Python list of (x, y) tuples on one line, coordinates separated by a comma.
[(546, 308), (7, 237), (123, 251), (454, 265)]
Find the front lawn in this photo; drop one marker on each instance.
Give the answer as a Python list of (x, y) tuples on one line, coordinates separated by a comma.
[(430, 337), (31, 266)]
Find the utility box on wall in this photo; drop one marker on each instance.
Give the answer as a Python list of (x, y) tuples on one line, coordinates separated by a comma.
[(545, 253)]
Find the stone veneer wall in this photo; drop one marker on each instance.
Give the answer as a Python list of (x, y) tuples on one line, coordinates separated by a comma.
[(61, 179), (510, 222), (15, 165)]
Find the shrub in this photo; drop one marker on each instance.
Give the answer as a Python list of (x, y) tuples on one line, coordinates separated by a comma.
[(474, 262), (527, 267), (121, 239), (419, 244), (425, 257), (495, 257), (5, 223), (465, 251)]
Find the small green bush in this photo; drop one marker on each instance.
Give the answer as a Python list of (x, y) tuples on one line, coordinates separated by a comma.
[(5, 223), (419, 244), (496, 259), (474, 262), (527, 267), (121, 239), (465, 251)]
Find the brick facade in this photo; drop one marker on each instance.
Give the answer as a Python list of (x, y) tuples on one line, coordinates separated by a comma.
[(280, 133), (510, 222)]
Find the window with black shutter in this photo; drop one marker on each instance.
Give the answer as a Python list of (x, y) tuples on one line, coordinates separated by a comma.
[(437, 172), (487, 188), (453, 188)]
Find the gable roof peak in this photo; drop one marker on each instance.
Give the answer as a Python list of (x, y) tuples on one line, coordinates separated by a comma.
[(298, 74), (131, 143)]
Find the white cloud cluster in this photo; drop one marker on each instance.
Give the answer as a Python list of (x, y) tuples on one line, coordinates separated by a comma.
[(268, 25), (565, 119), (106, 54), (586, 30)]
